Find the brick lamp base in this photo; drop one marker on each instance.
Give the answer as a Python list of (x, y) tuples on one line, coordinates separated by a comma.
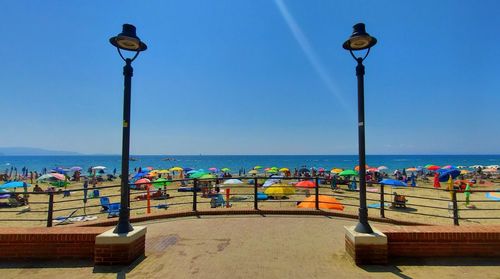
[(120, 249), (366, 248)]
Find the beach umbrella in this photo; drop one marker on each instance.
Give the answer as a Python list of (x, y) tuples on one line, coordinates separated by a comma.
[(213, 169), (75, 168), (411, 169), (348, 173), (186, 169), (444, 176), (14, 184), (272, 171), (279, 190), (140, 175), (99, 168), (284, 169), (191, 171), (208, 176), (257, 167), (382, 168), (46, 177), (321, 169), (270, 182), (253, 172), (59, 170), (163, 171), (336, 170), (143, 181), (393, 182), (449, 167), (160, 182), (464, 171), (325, 202), (233, 182), (304, 170), (58, 176), (305, 184), (176, 169), (432, 167), (225, 169), (197, 174), (357, 167), (60, 183), (372, 170)]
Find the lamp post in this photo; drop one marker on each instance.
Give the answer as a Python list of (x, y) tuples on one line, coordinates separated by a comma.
[(126, 40), (360, 40)]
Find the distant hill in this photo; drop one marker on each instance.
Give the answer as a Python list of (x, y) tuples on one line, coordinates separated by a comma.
[(31, 151)]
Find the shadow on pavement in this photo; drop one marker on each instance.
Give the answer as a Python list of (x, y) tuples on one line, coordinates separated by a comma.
[(120, 270), (47, 264)]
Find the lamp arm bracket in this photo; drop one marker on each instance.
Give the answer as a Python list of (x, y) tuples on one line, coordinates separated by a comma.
[(125, 59), (359, 59)]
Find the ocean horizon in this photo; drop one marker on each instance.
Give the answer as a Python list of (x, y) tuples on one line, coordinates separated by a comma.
[(236, 162)]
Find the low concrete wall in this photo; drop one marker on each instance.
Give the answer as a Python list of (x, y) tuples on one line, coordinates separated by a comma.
[(442, 241), (19, 244)]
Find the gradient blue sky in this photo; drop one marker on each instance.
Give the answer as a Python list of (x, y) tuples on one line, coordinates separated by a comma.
[(252, 77)]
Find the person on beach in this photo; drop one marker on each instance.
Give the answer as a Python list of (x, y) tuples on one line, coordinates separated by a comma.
[(467, 195), (436, 181)]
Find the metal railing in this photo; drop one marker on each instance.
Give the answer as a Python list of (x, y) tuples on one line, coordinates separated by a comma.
[(201, 193)]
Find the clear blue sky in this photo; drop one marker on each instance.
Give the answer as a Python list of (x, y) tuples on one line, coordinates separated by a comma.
[(252, 77)]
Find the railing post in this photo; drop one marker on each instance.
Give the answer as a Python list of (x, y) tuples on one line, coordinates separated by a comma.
[(195, 186), (255, 195), (455, 207), (316, 193), (50, 211), (382, 201)]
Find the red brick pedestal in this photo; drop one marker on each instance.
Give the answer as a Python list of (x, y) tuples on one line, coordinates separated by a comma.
[(366, 248), (120, 249)]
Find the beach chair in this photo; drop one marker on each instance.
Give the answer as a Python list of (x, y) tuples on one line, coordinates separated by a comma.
[(217, 201), (399, 201), (63, 220), (104, 203), (113, 210)]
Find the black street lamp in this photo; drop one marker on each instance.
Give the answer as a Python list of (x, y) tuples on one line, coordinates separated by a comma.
[(126, 40), (361, 40)]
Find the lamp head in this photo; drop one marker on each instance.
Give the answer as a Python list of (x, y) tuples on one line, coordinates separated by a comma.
[(359, 39), (128, 40)]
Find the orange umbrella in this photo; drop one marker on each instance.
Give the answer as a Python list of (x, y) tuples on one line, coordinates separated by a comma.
[(357, 168), (326, 202), (305, 184)]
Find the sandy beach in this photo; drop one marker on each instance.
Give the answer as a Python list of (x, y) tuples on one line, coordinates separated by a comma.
[(242, 198)]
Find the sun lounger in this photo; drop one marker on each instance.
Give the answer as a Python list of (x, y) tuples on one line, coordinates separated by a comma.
[(113, 210), (104, 203)]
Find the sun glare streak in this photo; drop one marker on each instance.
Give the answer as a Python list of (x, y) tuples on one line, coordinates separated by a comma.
[(310, 53)]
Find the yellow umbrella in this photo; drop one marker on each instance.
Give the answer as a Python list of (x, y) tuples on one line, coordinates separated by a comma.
[(176, 169), (279, 190), (464, 172), (336, 170), (411, 169), (163, 171), (284, 169)]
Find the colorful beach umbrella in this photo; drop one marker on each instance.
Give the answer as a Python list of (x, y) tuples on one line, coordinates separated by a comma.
[(257, 167), (336, 170), (14, 184), (284, 169), (270, 182), (143, 181), (325, 202), (393, 182), (356, 168), (348, 173), (279, 190), (411, 169), (382, 168), (160, 182), (445, 175), (176, 169), (432, 167), (233, 182), (493, 196), (305, 184)]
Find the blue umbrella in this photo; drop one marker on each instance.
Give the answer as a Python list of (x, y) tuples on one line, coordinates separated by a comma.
[(59, 170), (393, 182), (141, 174), (187, 169), (13, 184), (444, 176), (191, 171)]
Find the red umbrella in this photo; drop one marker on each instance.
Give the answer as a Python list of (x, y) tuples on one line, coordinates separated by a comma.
[(306, 184), (433, 168), (143, 183)]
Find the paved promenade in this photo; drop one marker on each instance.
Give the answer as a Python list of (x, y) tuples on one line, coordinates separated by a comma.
[(252, 247)]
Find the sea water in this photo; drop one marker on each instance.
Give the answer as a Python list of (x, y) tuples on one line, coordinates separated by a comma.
[(236, 162)]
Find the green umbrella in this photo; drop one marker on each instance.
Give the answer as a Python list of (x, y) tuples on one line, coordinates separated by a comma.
[(59, 183), (348, 173), (225, 169), (207, 176), (160, 182), (257, 167), (272, 171), (197, 174)]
